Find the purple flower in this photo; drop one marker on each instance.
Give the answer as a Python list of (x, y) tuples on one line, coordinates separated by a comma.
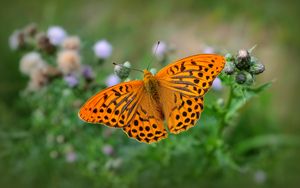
[(160, 50), (217, 84), (71, 157), (71, 80), (87, 72), (102, 49), (56, 35), (208, 50), (108, 150), (112, 80)]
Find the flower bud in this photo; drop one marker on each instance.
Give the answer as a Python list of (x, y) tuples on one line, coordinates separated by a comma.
[(229, 57), (249, 78), (243, 60), (229, 68), (30, 30), (122, 71), (43, 43), (240, 78), (257, 68)]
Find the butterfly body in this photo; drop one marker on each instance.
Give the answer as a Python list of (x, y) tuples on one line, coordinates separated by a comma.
[(174, 95)]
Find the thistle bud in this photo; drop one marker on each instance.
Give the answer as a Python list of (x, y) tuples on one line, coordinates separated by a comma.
[(30, 30), (229, 57), (249, 78), (240, 78), (257, 68), (44, 44), (122, 71), (243, 60), (229, 68)]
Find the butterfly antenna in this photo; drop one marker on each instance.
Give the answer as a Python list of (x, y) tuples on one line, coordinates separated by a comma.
[(152, 57), (127, 67)]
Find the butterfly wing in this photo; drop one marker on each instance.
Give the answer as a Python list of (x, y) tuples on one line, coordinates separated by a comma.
[(114, 106), (182, 87), (147, 124), (126, 106)]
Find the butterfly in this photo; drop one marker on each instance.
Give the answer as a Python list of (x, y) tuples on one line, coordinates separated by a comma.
[(175, 94)]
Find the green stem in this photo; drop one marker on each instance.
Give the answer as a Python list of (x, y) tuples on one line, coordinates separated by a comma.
[(223, 123)]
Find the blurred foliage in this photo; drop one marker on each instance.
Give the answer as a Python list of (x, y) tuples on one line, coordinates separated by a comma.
[(240, 141)]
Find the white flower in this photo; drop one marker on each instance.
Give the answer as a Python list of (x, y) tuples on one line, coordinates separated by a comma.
[(56, 35), (15, 40), (71, 43), (112, 80), (37, 80), (217, 84), (160, 50), (30, 62), (68, 61), (102, 49)]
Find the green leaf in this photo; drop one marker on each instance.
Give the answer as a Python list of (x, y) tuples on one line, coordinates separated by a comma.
[(239, 97), (266, 141)]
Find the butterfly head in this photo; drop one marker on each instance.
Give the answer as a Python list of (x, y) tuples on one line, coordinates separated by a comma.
[(147, 74)]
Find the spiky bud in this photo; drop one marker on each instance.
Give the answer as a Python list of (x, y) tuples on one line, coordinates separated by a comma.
[(257, 68), (243, 60), (229, 68), (240, 78), (123, 71)]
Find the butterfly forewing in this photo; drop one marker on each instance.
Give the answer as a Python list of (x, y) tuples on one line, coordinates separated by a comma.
[(192, 76), (114, 106)]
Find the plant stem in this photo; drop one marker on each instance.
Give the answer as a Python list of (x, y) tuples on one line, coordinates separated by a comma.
[(223, 123)]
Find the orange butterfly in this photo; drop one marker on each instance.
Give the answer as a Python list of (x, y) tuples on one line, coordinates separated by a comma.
[(174, 94)]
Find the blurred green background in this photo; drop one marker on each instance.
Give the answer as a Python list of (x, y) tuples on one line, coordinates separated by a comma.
[(132, 27)]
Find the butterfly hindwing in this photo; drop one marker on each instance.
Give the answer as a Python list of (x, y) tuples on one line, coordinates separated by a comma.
[(147, 124), (114, 106)]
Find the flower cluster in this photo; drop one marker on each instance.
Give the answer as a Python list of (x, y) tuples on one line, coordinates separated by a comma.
[(243, 66), (54, 54)]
